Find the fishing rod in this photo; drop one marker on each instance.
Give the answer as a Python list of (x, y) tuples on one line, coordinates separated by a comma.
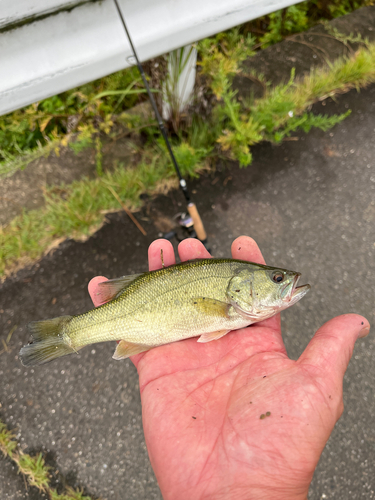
[(191, 207)]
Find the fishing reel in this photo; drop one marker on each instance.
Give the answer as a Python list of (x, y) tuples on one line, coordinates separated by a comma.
[(185, 228)]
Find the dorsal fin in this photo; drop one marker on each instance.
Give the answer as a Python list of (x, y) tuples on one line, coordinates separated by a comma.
[(108, 290)]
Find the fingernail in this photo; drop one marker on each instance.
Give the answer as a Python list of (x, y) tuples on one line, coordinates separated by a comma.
[(364, 332)]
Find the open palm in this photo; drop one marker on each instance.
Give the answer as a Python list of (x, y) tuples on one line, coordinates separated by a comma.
[(236, 418)]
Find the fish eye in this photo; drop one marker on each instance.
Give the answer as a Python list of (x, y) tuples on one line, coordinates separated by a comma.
[(278, 276)]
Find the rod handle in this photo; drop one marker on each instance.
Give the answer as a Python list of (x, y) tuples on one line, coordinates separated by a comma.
[(197, 221)]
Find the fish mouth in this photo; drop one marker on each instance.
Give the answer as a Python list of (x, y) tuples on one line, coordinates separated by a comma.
[(298, 292), (295, 293)]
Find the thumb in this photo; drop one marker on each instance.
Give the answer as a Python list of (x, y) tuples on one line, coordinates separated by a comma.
[(331, 348)]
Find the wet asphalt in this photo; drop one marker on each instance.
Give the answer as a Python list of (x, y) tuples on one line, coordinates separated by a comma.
[(310, 204)]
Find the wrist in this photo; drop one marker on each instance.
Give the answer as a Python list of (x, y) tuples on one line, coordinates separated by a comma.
[(271, 492), (274, 491)]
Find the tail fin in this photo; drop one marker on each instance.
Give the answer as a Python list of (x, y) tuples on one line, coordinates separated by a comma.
[(48, 342)]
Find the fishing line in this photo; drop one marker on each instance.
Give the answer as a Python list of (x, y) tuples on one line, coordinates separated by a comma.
[(191, 207)]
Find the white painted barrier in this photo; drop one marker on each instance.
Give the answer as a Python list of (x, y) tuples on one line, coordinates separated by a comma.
[(49, 46)]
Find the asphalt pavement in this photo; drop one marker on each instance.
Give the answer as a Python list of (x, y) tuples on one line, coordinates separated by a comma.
[(310, 204)]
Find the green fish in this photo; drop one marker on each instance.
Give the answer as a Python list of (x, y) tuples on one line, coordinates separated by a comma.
[(206, 298)]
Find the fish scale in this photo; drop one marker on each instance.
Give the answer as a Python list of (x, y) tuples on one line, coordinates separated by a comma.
[(207, 297), (143, 313)]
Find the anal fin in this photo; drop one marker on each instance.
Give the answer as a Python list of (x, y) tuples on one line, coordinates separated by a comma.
[(207, 337), (125, 349)]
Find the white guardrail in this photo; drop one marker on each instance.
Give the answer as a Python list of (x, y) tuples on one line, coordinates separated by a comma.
[(49, 46)]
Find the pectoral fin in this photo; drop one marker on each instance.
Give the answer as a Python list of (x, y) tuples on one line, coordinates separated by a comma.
[(211, 307), (108, 290), (125, 349), (207, 337)]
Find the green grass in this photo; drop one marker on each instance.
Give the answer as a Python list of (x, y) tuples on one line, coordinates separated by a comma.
[(8, 444), (30, 132), (282, 109), (34, 468), (77, 209), (274, 27)]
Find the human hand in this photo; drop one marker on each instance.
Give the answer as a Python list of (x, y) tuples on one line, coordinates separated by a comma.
[(236, 418)]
